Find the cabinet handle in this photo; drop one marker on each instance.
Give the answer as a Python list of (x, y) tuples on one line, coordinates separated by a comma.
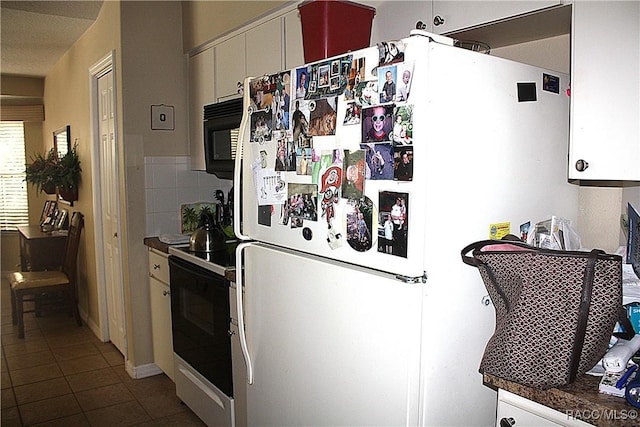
[(156, 266), (231, 333), (507, 422), (581, 165), (438, 20), (165, 293)]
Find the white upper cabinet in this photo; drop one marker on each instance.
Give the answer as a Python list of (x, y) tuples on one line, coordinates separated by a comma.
[(293, 47), (264, 48), (449, 16), (216, 72), (230, 66), (605, 91), (201, 93)]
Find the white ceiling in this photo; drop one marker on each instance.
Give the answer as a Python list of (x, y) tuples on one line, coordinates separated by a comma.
[(35, 34)]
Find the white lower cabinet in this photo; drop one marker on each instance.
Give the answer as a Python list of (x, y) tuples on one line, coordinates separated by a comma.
[(160, 295), (516, 411)]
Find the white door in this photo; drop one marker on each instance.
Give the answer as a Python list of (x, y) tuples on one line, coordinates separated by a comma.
[(109, 196), (329, 344)]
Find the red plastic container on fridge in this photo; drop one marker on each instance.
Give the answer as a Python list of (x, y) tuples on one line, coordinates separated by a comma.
[(333, 27)]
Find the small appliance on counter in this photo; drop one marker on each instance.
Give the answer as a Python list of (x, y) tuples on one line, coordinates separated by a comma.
[(208, 237)]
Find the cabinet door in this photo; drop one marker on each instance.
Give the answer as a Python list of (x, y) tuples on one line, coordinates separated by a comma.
[(161, 326), (293, 48), (264, 48), (201, 93), (605, 91), (230, 66), (456, 15)]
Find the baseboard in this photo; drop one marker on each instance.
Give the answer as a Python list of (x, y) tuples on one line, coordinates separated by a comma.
[(91, 324), (142, 371)]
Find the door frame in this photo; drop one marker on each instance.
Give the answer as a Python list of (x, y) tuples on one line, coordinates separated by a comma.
[(99, 69)]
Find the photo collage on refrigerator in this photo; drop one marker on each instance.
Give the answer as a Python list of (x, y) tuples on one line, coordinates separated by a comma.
[(290, 108)]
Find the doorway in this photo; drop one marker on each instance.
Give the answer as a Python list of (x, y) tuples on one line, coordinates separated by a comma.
[(106, 203)]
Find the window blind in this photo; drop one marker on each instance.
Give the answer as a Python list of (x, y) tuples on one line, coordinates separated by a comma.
[(14, 206)]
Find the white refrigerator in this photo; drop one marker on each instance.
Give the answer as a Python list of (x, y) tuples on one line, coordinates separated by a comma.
[(358, 180)]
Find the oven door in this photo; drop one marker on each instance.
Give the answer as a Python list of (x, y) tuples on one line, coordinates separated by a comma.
[(200, 321)]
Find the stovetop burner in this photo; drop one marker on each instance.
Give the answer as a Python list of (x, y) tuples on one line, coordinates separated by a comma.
[(225, 257), (217, 261)]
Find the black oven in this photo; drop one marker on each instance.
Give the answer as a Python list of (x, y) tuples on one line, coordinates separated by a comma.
[(221, 129), (200, 316)]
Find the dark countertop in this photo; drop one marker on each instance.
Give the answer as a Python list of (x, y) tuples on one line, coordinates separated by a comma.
[(582, 396), (155, 243)]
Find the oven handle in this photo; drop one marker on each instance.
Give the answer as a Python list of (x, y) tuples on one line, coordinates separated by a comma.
[(237, 183), (240, 309)]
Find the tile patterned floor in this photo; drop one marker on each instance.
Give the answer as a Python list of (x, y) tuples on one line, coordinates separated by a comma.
[(62, 375)]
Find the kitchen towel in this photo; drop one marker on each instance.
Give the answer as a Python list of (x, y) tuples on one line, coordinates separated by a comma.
[(174, 239)]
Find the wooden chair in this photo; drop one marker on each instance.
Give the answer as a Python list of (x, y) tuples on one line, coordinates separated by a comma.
[(35, 284)]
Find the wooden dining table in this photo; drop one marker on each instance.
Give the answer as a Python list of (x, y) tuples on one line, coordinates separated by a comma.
[(41, 250)]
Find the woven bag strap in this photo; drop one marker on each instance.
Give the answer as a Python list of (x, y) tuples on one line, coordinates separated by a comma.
[(583, 314), (475, 262), (508, 239)]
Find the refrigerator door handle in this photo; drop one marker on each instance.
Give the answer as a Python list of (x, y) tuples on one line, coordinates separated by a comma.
[(240, 310), (237, 183)]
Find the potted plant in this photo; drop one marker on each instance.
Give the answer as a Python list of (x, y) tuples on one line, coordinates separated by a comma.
[(42, 172), (68, 174)]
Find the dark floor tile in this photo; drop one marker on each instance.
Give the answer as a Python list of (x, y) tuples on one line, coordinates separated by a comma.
[(26, 347), (12, 338), (5, 380), (33, 375), (183, 419), (6, 319), (73, 337), (113, 358), (41, 390), (103, 396), (123, 414), (10, 417), (83, 364), (92, 379), (76, 420), (30, 324), (8, 399), (30, 360), (122, 373), (75, 351), (157, 384), (107, 347), (160, 405), (49, 409)]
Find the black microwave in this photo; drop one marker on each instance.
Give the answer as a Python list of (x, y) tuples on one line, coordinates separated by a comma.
[(221, 129)]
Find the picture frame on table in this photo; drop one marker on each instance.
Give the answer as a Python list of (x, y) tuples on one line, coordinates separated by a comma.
[(49, 212), (62, 220)]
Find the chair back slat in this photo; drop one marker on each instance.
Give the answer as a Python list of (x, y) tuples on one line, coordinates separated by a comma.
[(73, 242)]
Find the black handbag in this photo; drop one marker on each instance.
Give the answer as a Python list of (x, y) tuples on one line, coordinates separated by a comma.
[(555, 310)]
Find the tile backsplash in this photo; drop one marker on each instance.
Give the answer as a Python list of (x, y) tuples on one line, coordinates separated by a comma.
[(169, 183)]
